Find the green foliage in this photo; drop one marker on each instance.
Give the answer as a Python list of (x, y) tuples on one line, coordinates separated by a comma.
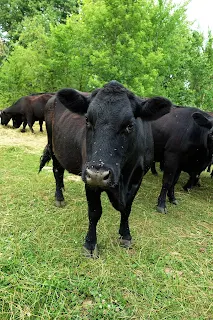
[(149, 46), (13, 12), (201, 71), (24, 70)]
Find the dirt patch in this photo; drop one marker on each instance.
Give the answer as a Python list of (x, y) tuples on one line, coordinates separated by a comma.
[(13, 137)]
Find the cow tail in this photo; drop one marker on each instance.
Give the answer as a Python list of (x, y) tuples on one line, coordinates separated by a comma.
[(46, 157)]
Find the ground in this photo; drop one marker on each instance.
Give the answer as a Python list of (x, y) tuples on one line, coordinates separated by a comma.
[(167, 274)]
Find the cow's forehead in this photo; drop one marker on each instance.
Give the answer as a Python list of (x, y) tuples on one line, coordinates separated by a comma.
[(111, 99)]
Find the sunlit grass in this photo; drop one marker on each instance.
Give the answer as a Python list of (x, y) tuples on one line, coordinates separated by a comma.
[(168, 273)]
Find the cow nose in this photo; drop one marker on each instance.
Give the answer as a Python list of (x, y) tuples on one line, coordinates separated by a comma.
[(97, 177)]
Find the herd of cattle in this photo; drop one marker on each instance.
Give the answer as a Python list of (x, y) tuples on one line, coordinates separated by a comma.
[(111, 137)]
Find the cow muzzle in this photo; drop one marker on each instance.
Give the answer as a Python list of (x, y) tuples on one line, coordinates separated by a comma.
[(98, 177)]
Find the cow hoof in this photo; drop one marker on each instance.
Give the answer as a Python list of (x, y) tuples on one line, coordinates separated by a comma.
[(186, 189), (125, 243), (161, 210), (60, 204), (91, 253), (174, 202), (22, 130)]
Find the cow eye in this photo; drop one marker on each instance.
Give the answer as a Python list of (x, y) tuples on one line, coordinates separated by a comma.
[(128, 128)]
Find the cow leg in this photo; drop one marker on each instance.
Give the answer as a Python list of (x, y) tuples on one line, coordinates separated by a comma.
[(124, 231), (171, 191), (94, 214), (31, 126), (24, 125), (58, 172), (30, 121), (153, 169), (170, 172), (162, 165), (189, 184), (193, 181), (127, 198), (40, 124), (161, 206)]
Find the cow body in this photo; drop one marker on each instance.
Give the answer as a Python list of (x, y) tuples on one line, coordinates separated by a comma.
[(26, 110), (183, 142), (111, 147)]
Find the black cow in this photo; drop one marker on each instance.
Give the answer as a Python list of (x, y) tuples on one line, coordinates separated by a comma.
[(183, 140), (26, 110), (104, 137), (193, 180)]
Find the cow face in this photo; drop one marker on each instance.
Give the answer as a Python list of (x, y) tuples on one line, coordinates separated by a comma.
[(5, 118), (112, 124), (111, 130)]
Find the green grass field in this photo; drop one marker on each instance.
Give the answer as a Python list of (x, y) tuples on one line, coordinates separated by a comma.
[(168, 273)]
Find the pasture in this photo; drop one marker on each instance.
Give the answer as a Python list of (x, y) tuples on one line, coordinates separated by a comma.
[(167, 274)]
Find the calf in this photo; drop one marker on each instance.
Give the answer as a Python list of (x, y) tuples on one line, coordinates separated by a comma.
[(183, 140), (106, 137)]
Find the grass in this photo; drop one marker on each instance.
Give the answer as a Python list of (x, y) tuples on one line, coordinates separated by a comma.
[(168, 273)]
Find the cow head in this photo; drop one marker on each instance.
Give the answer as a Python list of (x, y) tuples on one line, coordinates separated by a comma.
[(112, 116), (5, 117)]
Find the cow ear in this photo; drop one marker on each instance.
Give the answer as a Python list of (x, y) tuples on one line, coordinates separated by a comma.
[(72, 100), (152, 108), (201, 120)]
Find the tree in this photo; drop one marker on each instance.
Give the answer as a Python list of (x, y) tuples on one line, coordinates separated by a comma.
[(201, 70), (147, 45), (13, 12)]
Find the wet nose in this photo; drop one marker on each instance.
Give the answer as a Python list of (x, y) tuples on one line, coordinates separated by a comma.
[(97, 177)]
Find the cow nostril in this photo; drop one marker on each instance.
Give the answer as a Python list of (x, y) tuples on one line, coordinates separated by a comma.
[(107, 175), (87, 173)]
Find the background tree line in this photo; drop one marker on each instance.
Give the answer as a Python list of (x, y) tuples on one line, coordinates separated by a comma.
[(147, 45)]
